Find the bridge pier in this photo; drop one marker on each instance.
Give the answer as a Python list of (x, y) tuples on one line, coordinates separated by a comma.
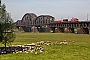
[(47, 28), (57, 30), (69, 30), (34, 29), (82, 31), (66, 30)]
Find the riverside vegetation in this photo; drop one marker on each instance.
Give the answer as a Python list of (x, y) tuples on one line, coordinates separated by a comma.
[(77, 47)]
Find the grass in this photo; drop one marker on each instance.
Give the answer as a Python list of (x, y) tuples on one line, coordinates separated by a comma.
[(79, 50)]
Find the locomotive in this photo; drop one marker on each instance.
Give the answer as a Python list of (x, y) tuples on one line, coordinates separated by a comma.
[(74, 20)]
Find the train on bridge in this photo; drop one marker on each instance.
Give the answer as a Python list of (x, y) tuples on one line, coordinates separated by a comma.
[(66, 20), (47, 23)]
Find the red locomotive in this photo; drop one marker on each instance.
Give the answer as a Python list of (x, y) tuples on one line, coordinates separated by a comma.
[(74, 20)]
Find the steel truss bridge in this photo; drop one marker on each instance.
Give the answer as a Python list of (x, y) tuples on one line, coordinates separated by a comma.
[(45, 23)]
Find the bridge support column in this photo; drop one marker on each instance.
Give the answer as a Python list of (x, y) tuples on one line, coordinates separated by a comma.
[(57, 30), (47, 29), (69, 30), (34, 29), (83, 31)]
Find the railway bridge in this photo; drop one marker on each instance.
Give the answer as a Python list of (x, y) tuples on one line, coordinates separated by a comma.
[(45, 23)]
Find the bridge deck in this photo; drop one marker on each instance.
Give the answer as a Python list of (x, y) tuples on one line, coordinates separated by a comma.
[(81, 24)]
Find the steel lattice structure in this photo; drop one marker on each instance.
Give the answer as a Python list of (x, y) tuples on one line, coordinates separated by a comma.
[(44, 19), (30, 19)]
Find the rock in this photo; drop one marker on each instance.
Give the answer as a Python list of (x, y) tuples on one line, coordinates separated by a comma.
[(36, 53)]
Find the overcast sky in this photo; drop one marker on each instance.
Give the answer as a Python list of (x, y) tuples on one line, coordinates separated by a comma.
[(58, 8)]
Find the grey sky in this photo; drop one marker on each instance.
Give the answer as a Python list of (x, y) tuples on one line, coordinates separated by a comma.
[(57, 8)]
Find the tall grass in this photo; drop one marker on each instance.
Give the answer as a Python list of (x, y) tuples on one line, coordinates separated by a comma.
[(77, 50)]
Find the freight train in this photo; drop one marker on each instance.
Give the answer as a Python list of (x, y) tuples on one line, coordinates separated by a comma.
[(66, 20)]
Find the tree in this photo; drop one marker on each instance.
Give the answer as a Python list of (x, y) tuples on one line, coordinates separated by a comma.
[(7, 33), (2, 15)]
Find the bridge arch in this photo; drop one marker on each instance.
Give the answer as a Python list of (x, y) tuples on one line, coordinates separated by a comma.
[(44, 19), (28, 19)]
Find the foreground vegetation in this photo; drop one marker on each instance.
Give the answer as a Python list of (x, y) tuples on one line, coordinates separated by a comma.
[(78, 47)]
